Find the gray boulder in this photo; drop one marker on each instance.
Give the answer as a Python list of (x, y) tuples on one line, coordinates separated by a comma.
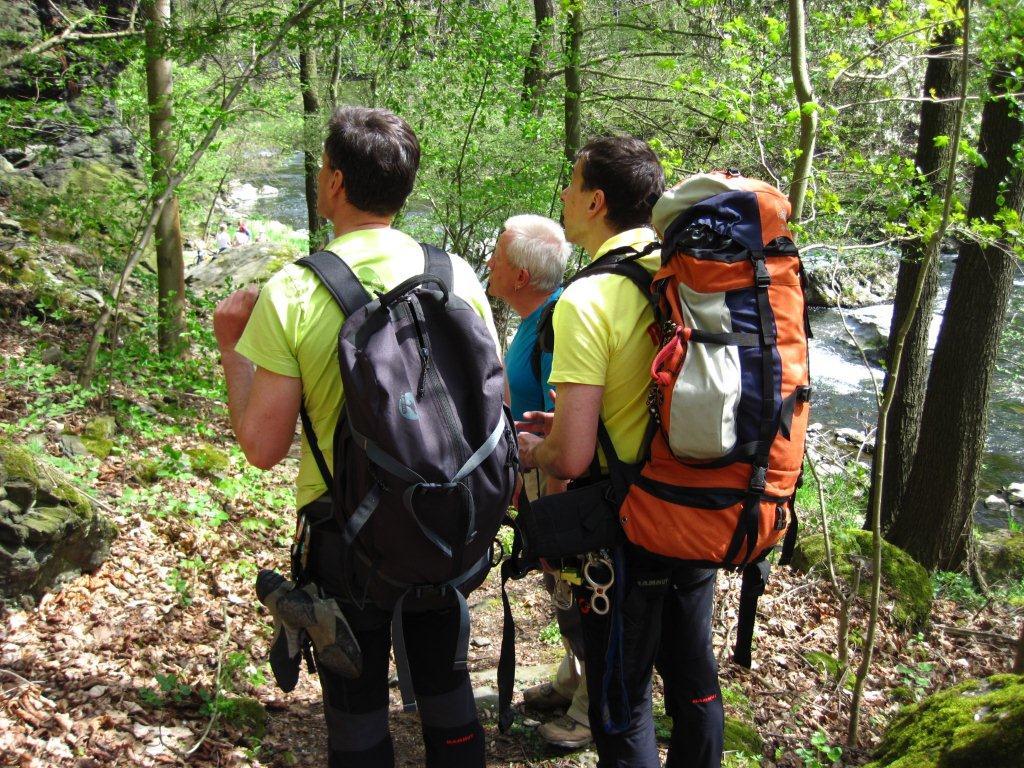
[(834, 279), (49, 532), (244, 264)]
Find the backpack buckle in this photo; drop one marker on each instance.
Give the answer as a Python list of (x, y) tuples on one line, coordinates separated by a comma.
[(762, 278), (758, 479)]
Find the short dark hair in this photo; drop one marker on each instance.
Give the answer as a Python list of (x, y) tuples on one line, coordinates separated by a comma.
[(377, 153), (629, 174)]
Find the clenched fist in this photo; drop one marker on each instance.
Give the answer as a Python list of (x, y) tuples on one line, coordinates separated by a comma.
[(232, 314)]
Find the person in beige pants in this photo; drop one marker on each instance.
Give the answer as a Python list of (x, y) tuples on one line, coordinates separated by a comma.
[(526, 272)]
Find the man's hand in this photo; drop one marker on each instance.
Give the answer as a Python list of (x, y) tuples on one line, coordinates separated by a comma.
[(536, 423), (527, 442), (231, 316)]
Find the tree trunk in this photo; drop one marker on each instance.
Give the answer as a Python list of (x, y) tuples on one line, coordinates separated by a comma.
[(533, 74), (940, 82), (808, 113), (1018, 659), (170, 263), (573, 89), (938, 508), (310, 141)]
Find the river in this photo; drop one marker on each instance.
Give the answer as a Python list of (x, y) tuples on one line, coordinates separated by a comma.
[(843, 393)]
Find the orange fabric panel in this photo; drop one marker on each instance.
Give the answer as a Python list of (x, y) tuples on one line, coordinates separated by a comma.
[(692, 533)]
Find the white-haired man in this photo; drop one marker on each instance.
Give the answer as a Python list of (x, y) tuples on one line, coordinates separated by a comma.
[(526, 272)]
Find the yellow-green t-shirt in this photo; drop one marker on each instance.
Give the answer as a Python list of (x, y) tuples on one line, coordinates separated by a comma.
[(294, 328), (603, 336)]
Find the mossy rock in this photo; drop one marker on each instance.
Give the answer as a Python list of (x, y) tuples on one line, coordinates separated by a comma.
[(100, 428), (208, 460), (903, 578), (49, 532), (1001, 555), (978, 724), (146, 470), (742, 737), (98, 446)]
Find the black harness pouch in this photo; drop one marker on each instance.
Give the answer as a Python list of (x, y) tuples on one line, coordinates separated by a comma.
[(580, 520)]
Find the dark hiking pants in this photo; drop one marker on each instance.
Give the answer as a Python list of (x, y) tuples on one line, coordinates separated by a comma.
[(665, 623), (357, 710)]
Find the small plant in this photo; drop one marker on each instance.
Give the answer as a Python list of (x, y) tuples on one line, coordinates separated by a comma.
[(821, 754), (551, 634), (916, 677)]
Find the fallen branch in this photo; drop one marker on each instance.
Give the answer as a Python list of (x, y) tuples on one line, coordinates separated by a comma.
[(992, 637), (69, 35)]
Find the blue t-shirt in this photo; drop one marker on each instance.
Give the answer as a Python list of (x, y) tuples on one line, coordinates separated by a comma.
[(529, 394)]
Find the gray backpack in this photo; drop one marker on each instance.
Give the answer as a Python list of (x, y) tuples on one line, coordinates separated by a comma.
[(425, 455)]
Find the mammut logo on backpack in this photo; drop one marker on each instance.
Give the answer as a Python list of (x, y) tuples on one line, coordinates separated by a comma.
[(407, 407)]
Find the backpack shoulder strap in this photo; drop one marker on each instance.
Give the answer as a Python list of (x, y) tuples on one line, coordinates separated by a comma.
[(339, 279), (438, 263), (350, 295)]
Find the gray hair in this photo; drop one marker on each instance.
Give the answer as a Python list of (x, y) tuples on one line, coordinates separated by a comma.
[(538, 245)]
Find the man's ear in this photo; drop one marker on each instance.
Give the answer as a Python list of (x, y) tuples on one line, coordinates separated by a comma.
[(522, 278), (597, 203)]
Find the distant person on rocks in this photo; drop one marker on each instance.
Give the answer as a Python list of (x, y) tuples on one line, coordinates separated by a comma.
[(242, 236), (526, 273), (223, 237)]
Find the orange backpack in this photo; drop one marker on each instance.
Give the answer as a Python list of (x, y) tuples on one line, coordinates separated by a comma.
[(731, 385)]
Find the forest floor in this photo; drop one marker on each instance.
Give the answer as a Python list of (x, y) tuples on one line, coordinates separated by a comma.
[(157, 657)]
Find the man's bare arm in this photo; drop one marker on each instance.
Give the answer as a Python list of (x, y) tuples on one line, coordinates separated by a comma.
[(263, 405), (567, 451)]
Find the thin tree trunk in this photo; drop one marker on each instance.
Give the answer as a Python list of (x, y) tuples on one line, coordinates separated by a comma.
[(310, 140), (573, 89), (533, 78), (170, 263), (937, 512), (145, 235), (931, 254), (1018, 659), (808, 113), (940, 83), (336, 61)]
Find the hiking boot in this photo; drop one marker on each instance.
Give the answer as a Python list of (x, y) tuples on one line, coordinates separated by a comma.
[(303, 610), (545, 698), (566, 733)]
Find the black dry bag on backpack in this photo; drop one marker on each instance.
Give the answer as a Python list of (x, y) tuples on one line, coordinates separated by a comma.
[(425, 455)]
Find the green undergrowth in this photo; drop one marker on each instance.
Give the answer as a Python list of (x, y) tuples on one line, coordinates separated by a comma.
[(845, 494)]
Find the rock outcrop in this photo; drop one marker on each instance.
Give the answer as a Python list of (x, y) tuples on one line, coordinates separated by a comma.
[(49, 531), (907, 585), (978, 724)]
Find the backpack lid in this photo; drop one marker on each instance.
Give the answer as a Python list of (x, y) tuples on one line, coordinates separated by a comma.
[(684, 195), (674, 202)]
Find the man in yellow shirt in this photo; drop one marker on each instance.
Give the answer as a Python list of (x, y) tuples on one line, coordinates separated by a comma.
[(279, 351), (605, 341)]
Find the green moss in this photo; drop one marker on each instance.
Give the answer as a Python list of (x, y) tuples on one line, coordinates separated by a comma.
[(823, 662), (245, 713), (208, 460), (19, 464), (742, 737), (98, 446), (100, 428), (1001, 555), (978, 723), (146, 470), (906, 581)]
